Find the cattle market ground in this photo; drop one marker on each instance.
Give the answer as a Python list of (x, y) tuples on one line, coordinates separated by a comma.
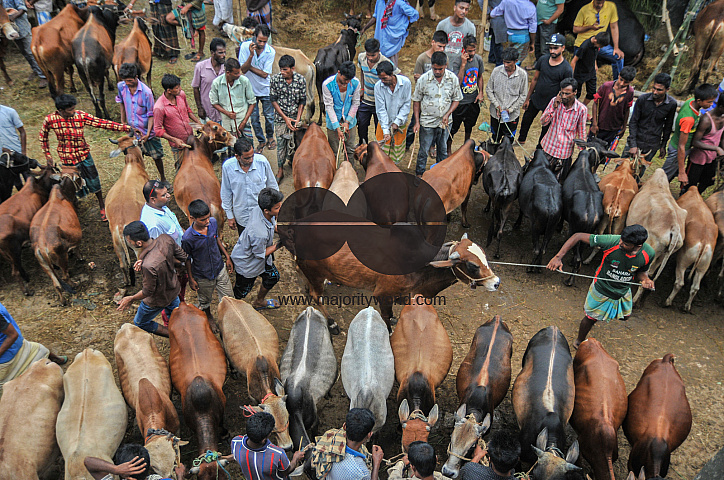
[(526, 302)]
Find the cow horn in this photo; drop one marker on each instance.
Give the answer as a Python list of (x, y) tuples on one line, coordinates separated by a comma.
[(194, 471), (571, 467), (465, 236), (454, 256), (538, 451), (114, 142)]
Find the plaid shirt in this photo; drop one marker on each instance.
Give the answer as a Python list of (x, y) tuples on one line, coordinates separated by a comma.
[(288, 96), (565, 125), (138, 106), (72, 147)]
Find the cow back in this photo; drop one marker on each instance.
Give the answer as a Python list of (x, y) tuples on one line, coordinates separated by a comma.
[(314, 162), (700, 227), (452, 178), (345, 182), (93, 39), (25, 204), (715, 202), (29, 409), (135, 48), (56, 224), (124, 200), (196, 179), (619, 188)]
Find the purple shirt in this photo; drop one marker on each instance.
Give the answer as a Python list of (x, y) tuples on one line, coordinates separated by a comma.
[(203, 251), (204, 74), (518, 14), (259, 464), (138, 106)]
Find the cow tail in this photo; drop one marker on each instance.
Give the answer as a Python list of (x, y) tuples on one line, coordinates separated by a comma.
[(310, 92), (127, 257), (703, 252), (43, 256), (674, 238)]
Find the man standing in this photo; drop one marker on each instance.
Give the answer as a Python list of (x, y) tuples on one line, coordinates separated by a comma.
[(548, 13), (503, 452), (232, 95), (423, 64), (261, 11), (341, 94), (507, 89), (627, 259), (566, 120), (12, 131), (550, 70), (257, 59), (67, 123), (171, 115), (596, 17), (368, 62), (521, 20), (437, 95), (288, 94), (155, 214), (18, 13), (242, 178), (457, 26), (585, 67), (498, 33), (165, 43), (205, 72), (611, 106), (392, 24), (469, 70), (707, 149), (393, 92)]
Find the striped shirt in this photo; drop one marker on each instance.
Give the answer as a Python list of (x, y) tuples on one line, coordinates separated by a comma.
[(565, 125), (138, 105), (370, 77), (259, 464), (72, 147)]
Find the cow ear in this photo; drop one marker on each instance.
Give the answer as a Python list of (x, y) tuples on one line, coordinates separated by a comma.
[(642, 474), (631, 476), (278, 387), (539, 453), (542, 439), (464, 237), (442, 264), (182, 443), (404, 411), (433, 416), (581, 143), (611, 154), (460, 414), (572, 454), (486, 423)]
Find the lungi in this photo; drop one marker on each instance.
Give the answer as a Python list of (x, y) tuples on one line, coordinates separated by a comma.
[(164, 32), (29, 353), (600, 307), (396, 148)]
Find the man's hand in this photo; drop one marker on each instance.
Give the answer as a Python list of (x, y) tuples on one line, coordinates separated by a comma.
[(340, 133), (662, 152), (377, 455), (231, 115), (345, 125), (180, 471), (633, 151), (252, 48), (144, 138), (617, 52), (478, 454), (297, 457), (445, 120), (137, 265), (647, 283), (290, 124), (547, 21), (464, 57), (417, 76), (525, 104), (242, 126), (416, 128), (621, 132), (229, 265), (683, 178), (555, 264), (202, 112), (232, 223), (595, 26), (122, 305), (594, 128), (557, 101), (719, 152), (185, 9), (393, 128), (193, 284), (132, 468)]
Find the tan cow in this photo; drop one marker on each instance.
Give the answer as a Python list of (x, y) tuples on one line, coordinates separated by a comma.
[(314, 163), (699, 243), (345, 182), (252, 345), (28, 410), (709, 42), (135, 48), (146, 385), (92, 421), (715, 202)]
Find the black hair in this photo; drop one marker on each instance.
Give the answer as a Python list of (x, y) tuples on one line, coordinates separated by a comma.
[(231, 64), (569, 82), (359, 424), (263, 29), (439, 59), (65, 101), (287, 61), (216, 43), (268, 197), (136, 231), (152, 186), (503, 450), (634, 234), (422, 456), (347, 70), (242, 145), (250, 22), (663, 79), (603, 39), (705, 91), (170, 81), (128, 70), (259, 426), (440, 36), (385, 67), (198, 208), (628, 73), (129, 451), (372, 45), (461, 1), (469, 40), (510, 55)]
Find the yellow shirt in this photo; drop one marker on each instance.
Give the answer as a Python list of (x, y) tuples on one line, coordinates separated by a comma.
[(587, 16)]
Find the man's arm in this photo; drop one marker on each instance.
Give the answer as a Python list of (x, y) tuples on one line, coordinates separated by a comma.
[(99, 468), (381, 109), (355, 103), (580, 27), (23, 140), (594, 114), (416, 111), (633, 128), (574, 61), (547, 116), (179, 254), (93, 121), (681, 157), (491, 92), (222, 249), (530, 89), (197, 99), (404, 112), (329, 106), (43, 135), (668, 127), (296, 458), (703, 129), (227, 198), (556, 262), (522, 93), (614, 39), (377, 455), (556, 14), (11, 335), (643, 278)]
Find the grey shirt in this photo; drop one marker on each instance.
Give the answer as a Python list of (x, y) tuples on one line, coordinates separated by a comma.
[(249, 252), (507, 92), (473, 70), (476, 471), (240, 190), (455, 37), (393, 107)]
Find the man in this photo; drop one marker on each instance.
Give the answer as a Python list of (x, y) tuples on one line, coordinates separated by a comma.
[(205, 72), (171, 115), (550, 70), (707, 149), (469, 70), (356, 431), (503, 452), (161, 288), (507, 89), (223, 13), (155, 214), (131, 461), (498, 33), (191, 16), (393, 92), (165, 44), (585, 67), (611, 107), (548, 13), (18, 13), (12, 131), (242, 178), (418, 462), (423, 64), (368, 62), (253, 254), (341, 97), (232, 95), (439, 91), (392, 25), (596, 17), (627, 259), (686, 123), (261, 11), (68, 123), (136, 100), (521, 22), (651, 123), (457, 26), (43, 10), (257, 59), (566, 120), (288, 94)]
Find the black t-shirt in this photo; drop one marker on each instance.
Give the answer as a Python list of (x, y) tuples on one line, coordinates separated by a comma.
[(586, 65), (549, 80)]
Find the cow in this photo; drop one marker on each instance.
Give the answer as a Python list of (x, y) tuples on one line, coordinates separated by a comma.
[(14, 170), (146, 386), (482, 383), (252, 345), (715, 202), (700, 238), (92, 420), (368, 365), (600, 406), (8, 31), (125, 201), (135, 48), (198, 371), (655, 209), (709, 42), (387, 197), (540, 200), (658, 418), (308, 369), (55, 231), (423, 355), (502, 175), (195, 178), (29, 409), (345, 182), (314, 163)]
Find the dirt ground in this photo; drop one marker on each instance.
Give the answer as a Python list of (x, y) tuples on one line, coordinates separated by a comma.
[(526, 302)]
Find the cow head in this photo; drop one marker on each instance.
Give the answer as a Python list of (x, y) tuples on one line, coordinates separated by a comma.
[(465, 436), (415, 426), (164, 451), (354, 22), (275, 404), (597, 150), (217, 135), (551, 465), (469, 265), (126, 144), (238, 34), (360, 154), (10, 31)]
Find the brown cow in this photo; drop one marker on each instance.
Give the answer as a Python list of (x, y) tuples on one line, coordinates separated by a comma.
[(125, 201), (387, 197), (198, 371), (195, 178), (52, 46), (8, 32), (314, 163), (709, 41), (135, 48), (699, 243), (345, 182), (55, 230), (600, 406), (658, 418), (423, 355), (715, 202)]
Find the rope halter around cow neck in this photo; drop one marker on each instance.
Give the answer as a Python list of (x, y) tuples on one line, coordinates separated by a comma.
[(470, 418), (210, 457), (453, 255), (161, 432), (250, 410)]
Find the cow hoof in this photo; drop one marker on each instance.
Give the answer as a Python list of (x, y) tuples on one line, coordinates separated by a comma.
[(465, 224), (333, 327), (568, 282)]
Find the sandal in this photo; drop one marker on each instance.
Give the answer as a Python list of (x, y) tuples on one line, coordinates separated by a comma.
[(198, 57), (173, 60), (260, 148), (189, 56), (103, 216), (271, 145), (270, 304), (63, 359)]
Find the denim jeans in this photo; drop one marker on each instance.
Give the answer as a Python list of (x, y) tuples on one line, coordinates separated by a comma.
[(268, 108), (428, 137), (606, 53), (365, 114), (24, 47), (145, 315)]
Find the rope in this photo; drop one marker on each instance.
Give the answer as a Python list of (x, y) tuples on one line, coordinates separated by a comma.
[(562, 271), (210, 457)]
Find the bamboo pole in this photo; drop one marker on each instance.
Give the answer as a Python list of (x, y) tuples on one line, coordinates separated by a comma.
[(484, 23)]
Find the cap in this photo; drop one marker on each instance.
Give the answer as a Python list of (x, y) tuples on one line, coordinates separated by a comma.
[(557, 39)]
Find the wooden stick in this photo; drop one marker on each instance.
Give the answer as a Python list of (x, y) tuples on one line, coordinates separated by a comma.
[(412, 155), (339, 148), (484, 23)]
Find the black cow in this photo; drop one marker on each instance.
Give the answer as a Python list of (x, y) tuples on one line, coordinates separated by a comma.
[(540, 200), (14, 169)]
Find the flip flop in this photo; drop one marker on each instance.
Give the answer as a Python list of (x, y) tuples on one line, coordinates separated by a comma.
[(189, 56), (260, 148), (63, 359), (271, 304), (173, 60)]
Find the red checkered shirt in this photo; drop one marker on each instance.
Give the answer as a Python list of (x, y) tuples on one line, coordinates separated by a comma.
[(72, 147), (565, 125)]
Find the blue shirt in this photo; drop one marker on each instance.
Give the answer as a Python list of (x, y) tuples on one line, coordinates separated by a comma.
[(22, 21), (264, 62), (393, 36), (249, 253), (9, 123), (240, 190), (161, 221), (5, 320), (138, 106), (259, 464), (203, 250), (518, 14)]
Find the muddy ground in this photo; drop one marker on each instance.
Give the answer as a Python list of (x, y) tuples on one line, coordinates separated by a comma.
[(526, 302)]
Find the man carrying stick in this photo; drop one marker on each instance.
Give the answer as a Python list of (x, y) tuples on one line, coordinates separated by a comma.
[(232, 96)]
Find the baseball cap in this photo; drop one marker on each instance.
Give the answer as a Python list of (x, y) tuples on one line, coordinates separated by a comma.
[(557, 39)]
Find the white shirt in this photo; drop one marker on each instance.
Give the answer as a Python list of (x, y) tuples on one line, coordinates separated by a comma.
[(161, 221)]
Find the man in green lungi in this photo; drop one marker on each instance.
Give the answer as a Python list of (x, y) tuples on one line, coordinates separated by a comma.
[(626, 258)]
